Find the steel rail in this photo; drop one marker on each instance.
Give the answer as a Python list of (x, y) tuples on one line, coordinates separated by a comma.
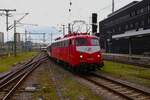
[(22, 67), (115, 90), (121, 83), (14, 78), (108, 88), (22, 76), (20, 81)]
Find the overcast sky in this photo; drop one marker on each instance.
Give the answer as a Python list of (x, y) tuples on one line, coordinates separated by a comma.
[(55, 12)]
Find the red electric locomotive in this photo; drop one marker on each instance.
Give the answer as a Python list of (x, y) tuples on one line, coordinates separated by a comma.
[(80, 50)]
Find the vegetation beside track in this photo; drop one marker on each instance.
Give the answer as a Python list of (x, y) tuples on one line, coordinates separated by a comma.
[(131, 73), (57, 84), (77, 91), (6, 63), (47, 87), (70, 88)]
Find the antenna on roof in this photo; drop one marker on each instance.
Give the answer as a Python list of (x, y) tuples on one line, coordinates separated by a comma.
[(70, 10), (113, 6)]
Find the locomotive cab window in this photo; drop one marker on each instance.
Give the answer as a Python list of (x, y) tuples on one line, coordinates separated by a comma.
[(81, 41), (71, 42), (94, 41)]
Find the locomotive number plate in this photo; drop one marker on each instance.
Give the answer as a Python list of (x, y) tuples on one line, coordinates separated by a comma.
[(90, 59)]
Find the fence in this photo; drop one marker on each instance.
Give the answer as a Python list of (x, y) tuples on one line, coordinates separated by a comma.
[(134, 59)]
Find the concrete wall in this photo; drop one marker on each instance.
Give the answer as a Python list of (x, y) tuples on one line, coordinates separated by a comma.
[(135, 59)]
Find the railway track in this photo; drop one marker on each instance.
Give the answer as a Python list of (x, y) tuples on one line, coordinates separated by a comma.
[(120, 89), (11, 81), (1, 55)]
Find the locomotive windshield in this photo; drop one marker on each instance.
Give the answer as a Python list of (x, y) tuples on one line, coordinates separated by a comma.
[(94, 41), (81, 41)]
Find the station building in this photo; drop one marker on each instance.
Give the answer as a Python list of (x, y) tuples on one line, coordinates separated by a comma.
[(127, 30)]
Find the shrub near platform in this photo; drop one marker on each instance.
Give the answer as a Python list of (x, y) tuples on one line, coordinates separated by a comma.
[(129, 72), (6, 63)]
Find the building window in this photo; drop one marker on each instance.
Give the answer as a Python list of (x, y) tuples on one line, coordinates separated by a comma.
[(148, 20), (113, 30), (148, 7), (142, 10), (127, 27), (133, 13), (145, 9), (142, 23), (136, 24), (138, 12), (131, 25), (119, 28)]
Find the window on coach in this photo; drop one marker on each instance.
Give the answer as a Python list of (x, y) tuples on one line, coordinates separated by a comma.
[(95, 42), (81, 41), (71, 42)]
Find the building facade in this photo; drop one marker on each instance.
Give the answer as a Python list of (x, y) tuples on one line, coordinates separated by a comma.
[(127, 30)]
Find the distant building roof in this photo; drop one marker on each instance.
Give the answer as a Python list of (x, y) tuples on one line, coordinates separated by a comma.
[(123, 8), (132, 33)]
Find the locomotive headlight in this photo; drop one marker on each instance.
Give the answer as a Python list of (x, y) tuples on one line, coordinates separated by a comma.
[(98, 56), (81, 56)]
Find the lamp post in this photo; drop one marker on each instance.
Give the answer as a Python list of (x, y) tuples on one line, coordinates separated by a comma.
[(15, 41), (15, 34)]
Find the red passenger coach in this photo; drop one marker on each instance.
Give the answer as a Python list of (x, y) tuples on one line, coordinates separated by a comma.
[(80, 51)]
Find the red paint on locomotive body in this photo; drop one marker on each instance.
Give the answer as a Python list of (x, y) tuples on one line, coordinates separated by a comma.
[(77, 50)]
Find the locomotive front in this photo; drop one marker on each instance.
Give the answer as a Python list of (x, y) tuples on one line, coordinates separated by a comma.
[(88, 53)]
